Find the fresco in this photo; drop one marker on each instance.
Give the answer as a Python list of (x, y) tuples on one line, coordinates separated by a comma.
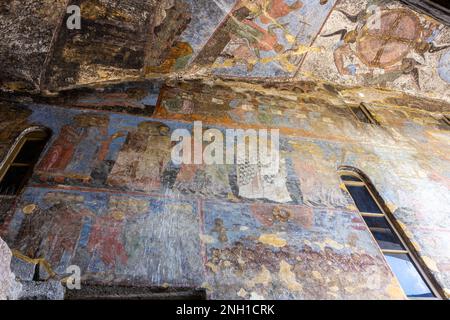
[(407, 51), (265, 251), (316, 143), (124, 222), (143, 157), (91, 54), (92, 149), (324, 40), (113, 238), (207, 17), (129, 153), (265, 38)]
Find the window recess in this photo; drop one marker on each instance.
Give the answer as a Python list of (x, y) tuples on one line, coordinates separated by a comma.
[(399, 256)]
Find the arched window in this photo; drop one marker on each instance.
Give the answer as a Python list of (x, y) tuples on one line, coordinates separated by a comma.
[(400, 257), (18, 166)]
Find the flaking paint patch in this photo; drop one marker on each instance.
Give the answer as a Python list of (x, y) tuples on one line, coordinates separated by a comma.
[(334, 289), (207, 239), (394, 290), (207, 286), (242, 293), (214, 268), (431, 264), (263, 277), (256, 296), (29, 209), (349, 289), (330, 243), (288, 277), (272, 240)]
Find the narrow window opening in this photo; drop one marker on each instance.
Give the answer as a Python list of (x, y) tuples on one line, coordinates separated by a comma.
[(20, 163), (362, 114), (443, 3), (446, 121), (398, 255)]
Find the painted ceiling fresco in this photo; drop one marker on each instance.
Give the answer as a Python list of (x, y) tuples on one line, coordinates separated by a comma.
[(325, 40), (266, 38), (409, 52)]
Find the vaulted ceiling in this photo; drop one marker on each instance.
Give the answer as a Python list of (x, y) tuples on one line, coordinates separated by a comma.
[(371, 43)]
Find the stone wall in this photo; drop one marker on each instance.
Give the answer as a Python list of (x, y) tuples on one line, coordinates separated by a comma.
[(9, 288)]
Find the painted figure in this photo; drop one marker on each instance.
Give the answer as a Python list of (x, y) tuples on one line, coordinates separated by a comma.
[(62, 150), (53, 232), (77, 148), (249, 37), (105, 239), (143, 158)]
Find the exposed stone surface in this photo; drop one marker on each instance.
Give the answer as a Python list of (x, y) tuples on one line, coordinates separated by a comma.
[(16, 280), (27, 28), (9, 287), (109, 46), (49, 290)]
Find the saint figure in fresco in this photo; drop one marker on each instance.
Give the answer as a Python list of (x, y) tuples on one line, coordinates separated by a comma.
[(256, 32), (143, 158), (53, 232), (62, 150), (105, 239), (77, 147), (165, 51)]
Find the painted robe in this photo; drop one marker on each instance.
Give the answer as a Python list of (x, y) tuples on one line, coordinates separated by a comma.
[(143, 158)]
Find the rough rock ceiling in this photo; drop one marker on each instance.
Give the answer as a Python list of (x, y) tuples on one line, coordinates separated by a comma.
[(270, 40)]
